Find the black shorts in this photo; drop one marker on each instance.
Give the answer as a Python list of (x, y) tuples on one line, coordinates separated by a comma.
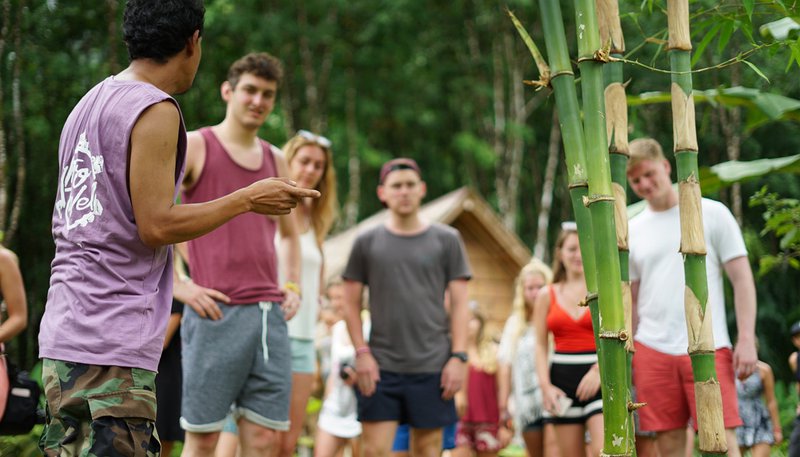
[(566, 372), (414, 399)]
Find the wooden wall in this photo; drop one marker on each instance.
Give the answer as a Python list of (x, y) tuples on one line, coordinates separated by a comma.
[(494, 272)]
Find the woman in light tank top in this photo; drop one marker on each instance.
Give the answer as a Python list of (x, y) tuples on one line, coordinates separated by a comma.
[(311, 165)]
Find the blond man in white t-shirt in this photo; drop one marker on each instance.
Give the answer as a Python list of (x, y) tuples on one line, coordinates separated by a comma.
[(662, 370)]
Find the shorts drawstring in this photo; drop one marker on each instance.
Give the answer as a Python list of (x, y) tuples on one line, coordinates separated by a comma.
[(266, 307)]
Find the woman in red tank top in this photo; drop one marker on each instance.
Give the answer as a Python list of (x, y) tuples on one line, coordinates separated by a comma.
[(570, 379)]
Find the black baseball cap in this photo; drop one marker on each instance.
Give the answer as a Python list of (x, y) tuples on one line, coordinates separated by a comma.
[(795, 328)]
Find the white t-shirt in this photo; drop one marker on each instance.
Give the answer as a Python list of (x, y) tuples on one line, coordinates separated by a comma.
[(656, 262)]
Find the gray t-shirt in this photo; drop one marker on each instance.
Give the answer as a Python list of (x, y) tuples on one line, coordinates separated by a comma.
[(407, 278)]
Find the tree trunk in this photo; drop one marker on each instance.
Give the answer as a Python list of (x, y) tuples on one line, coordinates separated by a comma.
[(515, 140), (353, 159), (540, 250), (113, 36), (731, 128), (3, 146), (499, 127), (19, 134)]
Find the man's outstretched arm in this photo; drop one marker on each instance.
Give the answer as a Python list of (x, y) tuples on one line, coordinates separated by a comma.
[(151, 174)]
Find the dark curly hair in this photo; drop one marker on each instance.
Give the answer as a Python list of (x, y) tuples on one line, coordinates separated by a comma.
[(159, 29), (260, 64)]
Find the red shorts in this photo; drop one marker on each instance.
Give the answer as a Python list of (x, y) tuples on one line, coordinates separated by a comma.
[(665, 382)]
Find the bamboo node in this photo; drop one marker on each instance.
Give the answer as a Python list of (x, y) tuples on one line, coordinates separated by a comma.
[(578, 184), (588, 298), (539, 84), (620, 335), (634, 406), (556, 74), (597, 198)]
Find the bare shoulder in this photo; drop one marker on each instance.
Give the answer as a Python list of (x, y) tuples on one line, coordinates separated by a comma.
[(543, 298), (8, 258), (764, 369), (194, 141), (161, 112)]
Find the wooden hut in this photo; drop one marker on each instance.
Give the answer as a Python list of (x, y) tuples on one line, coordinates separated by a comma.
[(496, 254)]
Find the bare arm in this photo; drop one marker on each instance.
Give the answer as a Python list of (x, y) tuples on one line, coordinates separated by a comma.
[(550, 393), (287, 225), (503, 389), (13, 292), (151, 175), (459, 314), (454, 371), (290, 245), (768, 380), (366, 367), (172, 327), (745, 355)]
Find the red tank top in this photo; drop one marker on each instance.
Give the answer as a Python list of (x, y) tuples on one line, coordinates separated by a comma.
[(238, 258), (570, 335)]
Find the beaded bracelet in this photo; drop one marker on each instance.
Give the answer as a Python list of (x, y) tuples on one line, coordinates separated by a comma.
[(292, 287)]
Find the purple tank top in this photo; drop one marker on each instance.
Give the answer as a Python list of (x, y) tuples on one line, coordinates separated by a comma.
[(238, 258), (110, 294)]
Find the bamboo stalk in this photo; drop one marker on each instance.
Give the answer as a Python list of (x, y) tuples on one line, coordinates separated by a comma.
[(698, 317), (611, 37), (611, 351)]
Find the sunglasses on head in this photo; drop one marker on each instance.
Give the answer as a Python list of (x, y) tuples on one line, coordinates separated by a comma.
[(319, 139)]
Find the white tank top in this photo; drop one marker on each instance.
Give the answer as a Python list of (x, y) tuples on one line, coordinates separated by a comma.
[(302, 324)]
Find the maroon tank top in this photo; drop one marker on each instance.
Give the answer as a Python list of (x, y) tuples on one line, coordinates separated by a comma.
[(238, 258)]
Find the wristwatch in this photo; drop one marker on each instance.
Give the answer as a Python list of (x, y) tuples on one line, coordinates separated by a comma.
[(462, 356)]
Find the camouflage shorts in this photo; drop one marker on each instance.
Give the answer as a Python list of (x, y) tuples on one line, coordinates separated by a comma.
[(99, 411)]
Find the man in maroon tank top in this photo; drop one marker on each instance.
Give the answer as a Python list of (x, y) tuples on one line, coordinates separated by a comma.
[(236, 355)]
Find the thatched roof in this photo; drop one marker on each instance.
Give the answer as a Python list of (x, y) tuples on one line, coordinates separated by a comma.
[(446, 210)]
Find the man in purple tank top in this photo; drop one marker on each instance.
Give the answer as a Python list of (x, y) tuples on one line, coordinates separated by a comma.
[(236, 354), (121, 158)]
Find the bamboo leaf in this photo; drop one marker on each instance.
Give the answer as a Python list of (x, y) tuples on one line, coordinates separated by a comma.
[(755, 69), (544, 70), (748, 7), (704, 42), (725, 35), (795, 58)]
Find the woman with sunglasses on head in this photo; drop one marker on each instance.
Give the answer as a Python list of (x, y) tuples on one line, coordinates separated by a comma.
[(310, 161), (570, 379)]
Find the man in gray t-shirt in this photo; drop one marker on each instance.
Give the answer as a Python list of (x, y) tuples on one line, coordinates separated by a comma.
[(410, 371)]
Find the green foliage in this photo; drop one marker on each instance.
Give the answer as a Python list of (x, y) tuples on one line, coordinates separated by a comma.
[(782, 220), (22, 445)]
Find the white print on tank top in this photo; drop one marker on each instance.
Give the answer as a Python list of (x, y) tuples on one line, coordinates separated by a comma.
[(77, 200)]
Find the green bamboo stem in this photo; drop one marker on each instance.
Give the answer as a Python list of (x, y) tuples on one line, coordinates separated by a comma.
[(569, 118), (701, 339), (612, 38), (613, 335)]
